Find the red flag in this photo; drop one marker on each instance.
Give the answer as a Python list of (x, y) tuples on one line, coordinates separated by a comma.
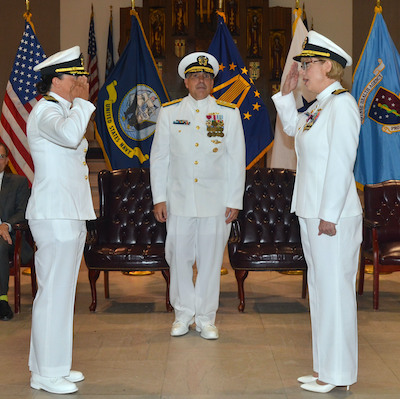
[(20, 97), (92, 68)]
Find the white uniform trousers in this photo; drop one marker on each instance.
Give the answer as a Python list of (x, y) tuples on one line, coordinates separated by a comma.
[(57, 260), (332, 269), (201, 240)]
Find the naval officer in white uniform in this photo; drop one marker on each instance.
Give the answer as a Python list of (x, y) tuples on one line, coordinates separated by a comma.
[(197, 169), (57, 211), (326, 201)]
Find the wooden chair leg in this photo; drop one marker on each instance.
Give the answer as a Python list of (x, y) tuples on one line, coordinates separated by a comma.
[(93, 276), (106, 285), (376, 286), (241, 275), (17, 289), (304, 286), (361, 275), (33, 280), (166, 275)]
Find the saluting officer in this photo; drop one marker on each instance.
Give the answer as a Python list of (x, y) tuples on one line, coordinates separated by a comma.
[(326, 201), (197, 169), (57, 211)]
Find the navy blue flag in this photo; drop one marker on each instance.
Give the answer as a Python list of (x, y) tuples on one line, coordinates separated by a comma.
[(129, 103), (376, 88), (233, 84), (110, 48)]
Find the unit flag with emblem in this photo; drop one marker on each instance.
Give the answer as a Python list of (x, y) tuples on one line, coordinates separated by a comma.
[(233, 84), (129, 103), (376, 88)]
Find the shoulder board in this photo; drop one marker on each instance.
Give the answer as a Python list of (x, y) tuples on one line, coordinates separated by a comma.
[(225, 104), (339, 91), (50, 98), (172, 102)]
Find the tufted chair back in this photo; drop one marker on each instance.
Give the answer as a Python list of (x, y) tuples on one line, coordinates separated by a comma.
[(266, 216), (382, 205), (126, 207), (266, 236), (125, 237), (381, 240)]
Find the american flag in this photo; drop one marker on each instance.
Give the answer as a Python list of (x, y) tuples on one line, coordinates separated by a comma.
[(93, 70), (20, 97)]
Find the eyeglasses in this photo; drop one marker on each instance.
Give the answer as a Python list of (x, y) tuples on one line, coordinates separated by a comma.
[(306, 64), (200, 75), (3, 156)]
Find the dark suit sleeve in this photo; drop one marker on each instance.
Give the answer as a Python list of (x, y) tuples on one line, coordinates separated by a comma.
[(21, 200)]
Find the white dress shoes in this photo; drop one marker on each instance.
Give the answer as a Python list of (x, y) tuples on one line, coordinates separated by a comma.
[(75, 376), (180, 328), (305, 379), (52, 384), (208, 332), (315, 387)]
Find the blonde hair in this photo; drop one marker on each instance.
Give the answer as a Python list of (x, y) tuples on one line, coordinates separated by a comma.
[(336, 71)]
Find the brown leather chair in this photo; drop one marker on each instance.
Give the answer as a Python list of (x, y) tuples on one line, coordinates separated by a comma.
[(266, 236), (381, 241), (125, 237), (22, 232)]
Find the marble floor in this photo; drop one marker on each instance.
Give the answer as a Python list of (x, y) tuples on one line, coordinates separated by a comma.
[(125, 350)]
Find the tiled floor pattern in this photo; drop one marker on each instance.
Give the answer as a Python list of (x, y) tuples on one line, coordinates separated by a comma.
[(125, 350)]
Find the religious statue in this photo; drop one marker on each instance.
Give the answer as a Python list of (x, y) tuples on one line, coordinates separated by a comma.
[(232, 16), (157, 33), (179, 17), (276, 50), (254, 30)]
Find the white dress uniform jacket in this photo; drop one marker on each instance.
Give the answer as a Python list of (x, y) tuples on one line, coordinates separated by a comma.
[(326, 140), (325, 186), (197, 174), (61, 188)]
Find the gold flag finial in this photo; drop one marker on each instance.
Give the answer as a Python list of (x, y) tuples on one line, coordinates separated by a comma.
[(27, 15), (297, 3), (220, 5), (133, 4), (378, 7)]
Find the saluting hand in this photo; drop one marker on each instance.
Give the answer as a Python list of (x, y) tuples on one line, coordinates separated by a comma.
[(291, 80), (81, 88)]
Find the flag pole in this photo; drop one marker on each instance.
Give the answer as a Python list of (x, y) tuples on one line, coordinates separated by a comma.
[(133, 4), (297, 14)]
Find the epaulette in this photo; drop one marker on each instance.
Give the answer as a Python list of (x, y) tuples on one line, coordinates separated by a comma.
[(339, 91), (50, 98), (225, 104), (172, 102)]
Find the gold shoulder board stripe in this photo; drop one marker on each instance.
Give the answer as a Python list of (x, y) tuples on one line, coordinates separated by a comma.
[(50, 98), (172, 102), (226, 104), (339, 91)]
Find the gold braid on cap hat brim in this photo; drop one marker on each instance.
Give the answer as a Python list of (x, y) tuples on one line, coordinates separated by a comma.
[(199, 69), (313, 53), (72, 70)]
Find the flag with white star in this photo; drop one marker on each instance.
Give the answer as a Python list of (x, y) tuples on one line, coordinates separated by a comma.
[(20, 98), (233, 84), (376, 88), (92, 63)]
